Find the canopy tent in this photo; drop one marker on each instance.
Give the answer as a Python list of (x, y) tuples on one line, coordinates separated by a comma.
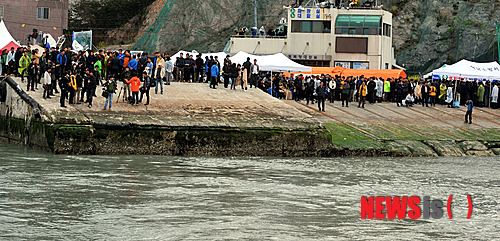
[(274, 62), (377, 73), (470, 70), (6, 40), (174, 57)]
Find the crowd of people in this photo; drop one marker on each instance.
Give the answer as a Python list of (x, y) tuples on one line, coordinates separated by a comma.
[(76, 77), (373, 90)]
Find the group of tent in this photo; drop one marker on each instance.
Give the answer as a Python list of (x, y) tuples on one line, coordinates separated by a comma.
[(7, 41), (468, 70), (281, 64)]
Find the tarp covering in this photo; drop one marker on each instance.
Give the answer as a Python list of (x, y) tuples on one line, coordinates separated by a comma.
[(383, 73), (6, 40), (470, 70), (274, 62)]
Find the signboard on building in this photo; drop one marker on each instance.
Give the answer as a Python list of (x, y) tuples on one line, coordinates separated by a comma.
[(360, 65), (309, 13), (82, 40), (343, 64)]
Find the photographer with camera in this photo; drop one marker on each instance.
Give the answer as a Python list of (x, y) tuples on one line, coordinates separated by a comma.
[(126, 75), (108, 90)]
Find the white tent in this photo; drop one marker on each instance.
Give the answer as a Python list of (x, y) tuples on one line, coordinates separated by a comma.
[(6, 39), (470, 70), (274, 62), (174, 57)]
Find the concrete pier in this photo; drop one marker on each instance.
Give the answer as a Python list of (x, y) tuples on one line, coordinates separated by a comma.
[(192, 119)]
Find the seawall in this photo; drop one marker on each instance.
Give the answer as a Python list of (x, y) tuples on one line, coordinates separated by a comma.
[(193, 120)]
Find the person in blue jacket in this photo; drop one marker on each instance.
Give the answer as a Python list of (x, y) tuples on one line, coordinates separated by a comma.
[(62, 60), (132, 65), (470, 106), (214, 71)]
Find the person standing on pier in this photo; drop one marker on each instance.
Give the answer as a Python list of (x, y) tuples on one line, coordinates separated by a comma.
[(147, 84), (345, 91), (320, 91), (47, 81), (254, 70), (470, 106), (126, 75), (72, 87), (23, 66), (214, 71), (169, 68), (426, 90), (134, 83), (110, 87), (91, 85), (363, 89), (180, 68), (64, 85), (158, 75), (31, 70)]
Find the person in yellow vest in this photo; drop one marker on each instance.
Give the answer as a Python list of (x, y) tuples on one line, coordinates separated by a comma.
[(72, 88), (362, 94), (433, 94)]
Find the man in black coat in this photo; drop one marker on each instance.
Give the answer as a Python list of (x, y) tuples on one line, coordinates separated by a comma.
[(142, 63), (64, 85), (198, 77), (180, 64), (320, 91)]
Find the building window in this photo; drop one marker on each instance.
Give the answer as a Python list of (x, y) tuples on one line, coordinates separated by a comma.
[(351, 45), (358, 24), (311, 26), (387, 30), (1, 11), (43, 13)]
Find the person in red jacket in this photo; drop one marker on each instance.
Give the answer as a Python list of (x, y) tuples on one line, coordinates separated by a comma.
[(134, 87)]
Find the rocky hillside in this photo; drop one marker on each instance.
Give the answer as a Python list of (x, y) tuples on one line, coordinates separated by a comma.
[(427, 33)]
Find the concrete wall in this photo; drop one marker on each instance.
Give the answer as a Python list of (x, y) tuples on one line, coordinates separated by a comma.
[(19, 12)]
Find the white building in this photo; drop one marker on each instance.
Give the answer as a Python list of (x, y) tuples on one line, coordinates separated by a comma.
[(352, 38)]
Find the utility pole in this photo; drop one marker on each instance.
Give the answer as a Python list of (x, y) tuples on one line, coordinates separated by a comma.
[(255, 12), (498, 40)]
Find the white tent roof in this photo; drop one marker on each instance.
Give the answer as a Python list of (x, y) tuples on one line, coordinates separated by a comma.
[(5, 36), (221, 55), (471, 70), (275, 62)]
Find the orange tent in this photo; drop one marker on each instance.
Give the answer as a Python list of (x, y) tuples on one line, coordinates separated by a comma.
[(384, 73)]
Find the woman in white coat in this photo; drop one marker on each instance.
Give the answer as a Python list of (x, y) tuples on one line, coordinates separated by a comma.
[(494, 97)]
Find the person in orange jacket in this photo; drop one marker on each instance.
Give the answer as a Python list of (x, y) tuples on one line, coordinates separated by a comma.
[(134, 87)]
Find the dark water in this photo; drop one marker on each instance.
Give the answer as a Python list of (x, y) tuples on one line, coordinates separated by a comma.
[(48, 197)]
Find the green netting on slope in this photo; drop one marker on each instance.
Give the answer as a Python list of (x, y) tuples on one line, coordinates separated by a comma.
[(148, 41)]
